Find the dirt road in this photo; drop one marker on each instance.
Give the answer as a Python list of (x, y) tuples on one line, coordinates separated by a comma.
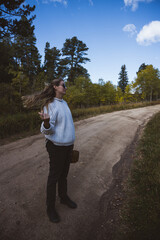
[(101, 141)]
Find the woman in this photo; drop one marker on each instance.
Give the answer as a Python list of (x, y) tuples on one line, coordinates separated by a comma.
[(59, 132)]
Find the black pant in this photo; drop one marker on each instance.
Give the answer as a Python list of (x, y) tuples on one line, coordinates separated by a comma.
[(60, 157)]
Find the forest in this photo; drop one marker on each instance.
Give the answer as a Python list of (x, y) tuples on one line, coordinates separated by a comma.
[(22, 71)]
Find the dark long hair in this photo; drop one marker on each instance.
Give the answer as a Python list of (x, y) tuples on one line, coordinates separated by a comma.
[(43, 98)]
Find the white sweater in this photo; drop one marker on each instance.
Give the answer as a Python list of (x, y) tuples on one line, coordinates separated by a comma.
[(61, 131)]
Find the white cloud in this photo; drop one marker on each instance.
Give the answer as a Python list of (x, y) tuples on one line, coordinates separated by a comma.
[(64, 2), (45, 1), (91, 2), (130, 28), (134, 3), (149, 34)]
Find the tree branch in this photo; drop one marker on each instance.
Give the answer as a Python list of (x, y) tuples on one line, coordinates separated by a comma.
[(17, 15)]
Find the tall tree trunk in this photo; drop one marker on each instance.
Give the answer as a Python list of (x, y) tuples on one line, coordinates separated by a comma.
[(151, 95)]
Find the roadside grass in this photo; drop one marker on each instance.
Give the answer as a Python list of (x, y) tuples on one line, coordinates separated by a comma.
[(19, 123), (82, 113), (16, 126), (141, 211)]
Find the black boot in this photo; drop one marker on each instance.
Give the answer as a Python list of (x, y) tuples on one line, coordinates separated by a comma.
[(67, 201), (53, 215)]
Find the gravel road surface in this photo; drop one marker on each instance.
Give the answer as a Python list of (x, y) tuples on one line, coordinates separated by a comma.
[(101, 141)]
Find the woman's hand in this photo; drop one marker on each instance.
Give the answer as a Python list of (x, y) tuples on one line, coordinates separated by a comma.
[(45, 117)]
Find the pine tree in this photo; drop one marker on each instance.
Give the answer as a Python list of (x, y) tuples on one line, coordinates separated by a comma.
[(75, 52), (142, 67), (26, 53), (18, 45), (6, 59), (52, 62), (123, 78), (11, 12)]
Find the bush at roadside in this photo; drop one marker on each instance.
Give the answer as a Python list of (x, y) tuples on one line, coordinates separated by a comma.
[(19, 123)]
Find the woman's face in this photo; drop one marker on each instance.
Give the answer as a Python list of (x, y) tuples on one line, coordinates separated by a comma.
[(61, 89)]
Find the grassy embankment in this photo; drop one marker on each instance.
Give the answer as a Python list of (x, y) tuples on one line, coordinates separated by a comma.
[(141, 211), (26, 124)]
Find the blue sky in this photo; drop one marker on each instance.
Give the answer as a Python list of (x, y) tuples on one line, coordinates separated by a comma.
[(116, 32)]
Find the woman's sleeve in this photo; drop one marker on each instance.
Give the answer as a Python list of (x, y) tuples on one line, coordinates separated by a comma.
[(53, 114)]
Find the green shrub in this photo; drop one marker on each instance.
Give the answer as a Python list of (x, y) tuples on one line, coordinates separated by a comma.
[(82, 113), (22, 122)]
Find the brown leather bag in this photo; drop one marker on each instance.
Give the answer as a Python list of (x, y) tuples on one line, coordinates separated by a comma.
[(75, 156)]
